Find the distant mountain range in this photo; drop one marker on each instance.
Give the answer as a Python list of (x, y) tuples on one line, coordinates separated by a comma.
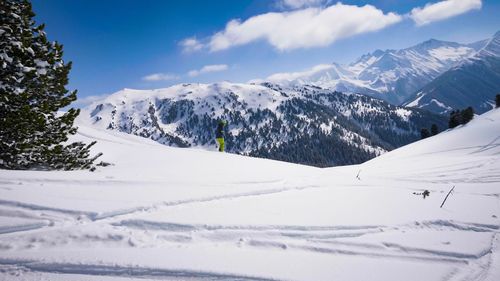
[(300, 124), (446, 73), (473, 82), (330, 115)]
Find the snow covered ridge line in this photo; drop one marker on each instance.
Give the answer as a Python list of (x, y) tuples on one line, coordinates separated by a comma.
[(392, 75), (266, 120), (461, 87), (397, 76)]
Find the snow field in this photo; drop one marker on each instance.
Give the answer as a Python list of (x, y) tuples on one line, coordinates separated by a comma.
[(186, 214)]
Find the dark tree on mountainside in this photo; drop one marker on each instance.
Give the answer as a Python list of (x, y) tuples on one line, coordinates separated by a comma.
[(467, 115), (497, 100), (461, 117), (455, 119), (33, 79), (434, 130), (424, 133)]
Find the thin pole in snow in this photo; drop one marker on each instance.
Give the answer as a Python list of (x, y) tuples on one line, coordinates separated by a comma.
[(357, 176), (447, 196)]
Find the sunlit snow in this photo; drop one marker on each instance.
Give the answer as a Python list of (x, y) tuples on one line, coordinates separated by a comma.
[(184, 214)]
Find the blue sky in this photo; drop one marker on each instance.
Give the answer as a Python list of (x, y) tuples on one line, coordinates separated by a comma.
[(117, 44)]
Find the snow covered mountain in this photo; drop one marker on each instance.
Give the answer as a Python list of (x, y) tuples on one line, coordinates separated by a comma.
[(391, 75), (314, 117), (300, 124), (474, 82), (184, 214)]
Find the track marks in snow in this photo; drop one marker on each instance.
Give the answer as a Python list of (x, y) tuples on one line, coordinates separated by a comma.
[(360, 250), (317, 239), (124, 271), (240, 234), (491, 145), (95, 216), (147, 225), (322, 240), (22, 227), (457, 255), (120, 228), (440, 224), (400, 255), (156, 206), (152, 225), (64, 220), (34, 207)]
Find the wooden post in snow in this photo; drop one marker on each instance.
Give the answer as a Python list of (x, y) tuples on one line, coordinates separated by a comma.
[(447, 196)]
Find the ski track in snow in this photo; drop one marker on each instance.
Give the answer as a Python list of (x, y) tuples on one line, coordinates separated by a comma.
[(116, 213), (103, 270), (198, 200), (313, 239)]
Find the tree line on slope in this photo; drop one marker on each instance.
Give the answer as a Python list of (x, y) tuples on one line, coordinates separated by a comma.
[(287, 133), (457, 117), (460, 117)]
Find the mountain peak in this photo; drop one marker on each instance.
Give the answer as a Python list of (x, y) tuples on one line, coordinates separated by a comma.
[(369, 57), (378, 53), (432, 44), (430, 41), (392, 75)]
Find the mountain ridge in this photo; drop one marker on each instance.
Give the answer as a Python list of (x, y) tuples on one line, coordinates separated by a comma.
[(473, 82), (318, 111), (391, 75), (301, 124)]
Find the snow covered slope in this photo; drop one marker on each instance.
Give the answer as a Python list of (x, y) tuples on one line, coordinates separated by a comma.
[(185, 214), (301, 124), (391, 75)]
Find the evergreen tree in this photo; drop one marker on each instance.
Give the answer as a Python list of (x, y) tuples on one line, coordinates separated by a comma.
[(33, 79), (455, 119), (424, 133), (467, 115), (461, 117), (434, 130), (497, 100)]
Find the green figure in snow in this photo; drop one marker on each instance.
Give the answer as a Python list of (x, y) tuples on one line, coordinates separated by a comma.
[(219, 134)]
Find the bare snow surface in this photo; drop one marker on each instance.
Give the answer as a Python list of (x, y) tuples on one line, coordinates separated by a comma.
[(162, 213)]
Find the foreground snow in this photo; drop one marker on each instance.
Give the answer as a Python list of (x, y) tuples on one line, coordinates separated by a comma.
[(185, 214)]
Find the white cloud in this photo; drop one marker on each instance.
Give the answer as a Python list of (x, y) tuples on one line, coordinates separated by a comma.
[(160, 77), (311, 27), (296, 4), (442, 10), (190, 45), (207, 69)]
